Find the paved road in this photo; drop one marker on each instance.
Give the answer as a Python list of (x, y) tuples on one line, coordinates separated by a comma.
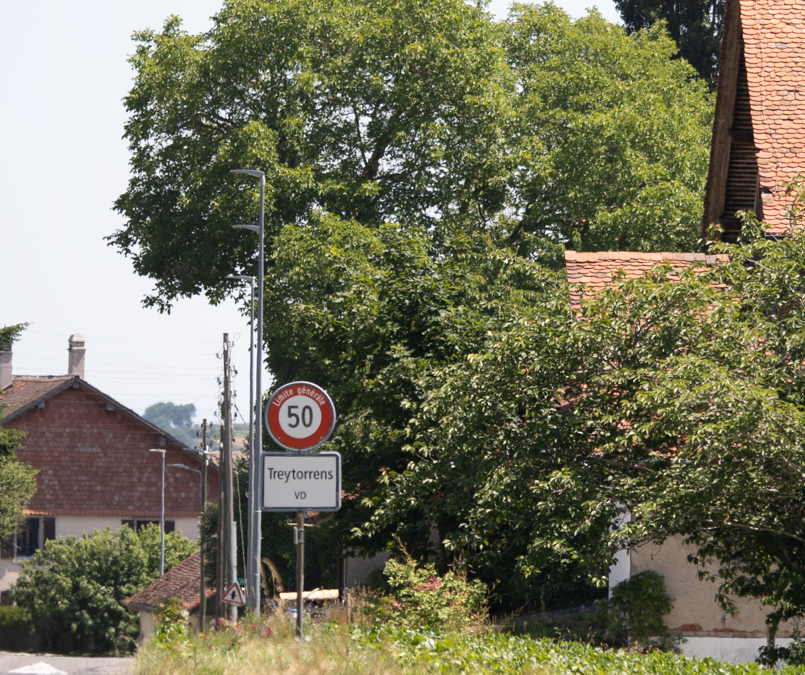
[(46, 664)]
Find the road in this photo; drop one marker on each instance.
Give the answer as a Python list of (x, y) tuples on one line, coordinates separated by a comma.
[(47, 664)]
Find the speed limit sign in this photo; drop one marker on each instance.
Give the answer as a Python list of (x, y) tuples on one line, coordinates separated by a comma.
[(300, 416)]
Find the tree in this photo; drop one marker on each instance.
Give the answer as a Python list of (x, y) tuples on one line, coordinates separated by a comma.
[(420, 112), (695, 26), (17, 480), (73, 587), (372, 111), (597, 119), (17, 484), (175, 419), (423, 164), (678, 396)]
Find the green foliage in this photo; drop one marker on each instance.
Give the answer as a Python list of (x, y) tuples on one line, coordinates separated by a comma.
[(597, 119), (421, 112), (634, 614), (793, 655), (177, 420), (695, 25), (172, 629), (73, 588), (418, 597), (17, 483), (393, 650), (15, 626), (8, 334)]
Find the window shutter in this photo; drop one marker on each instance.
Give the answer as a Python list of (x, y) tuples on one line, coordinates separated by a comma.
[(130, 523), (50, 529), (170, 526)]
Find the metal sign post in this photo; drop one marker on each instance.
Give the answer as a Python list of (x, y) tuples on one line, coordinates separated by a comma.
[(300, 416)]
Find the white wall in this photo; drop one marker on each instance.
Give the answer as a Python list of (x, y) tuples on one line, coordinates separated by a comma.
[(730, 649), (79, 525)]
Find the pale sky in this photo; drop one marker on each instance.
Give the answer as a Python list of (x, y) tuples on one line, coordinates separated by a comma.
[(62, 164)]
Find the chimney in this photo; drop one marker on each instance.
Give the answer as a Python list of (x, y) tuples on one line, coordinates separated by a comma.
[(5, 366), (75, 353)]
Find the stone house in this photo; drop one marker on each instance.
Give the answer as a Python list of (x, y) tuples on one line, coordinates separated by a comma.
[(95, 468)]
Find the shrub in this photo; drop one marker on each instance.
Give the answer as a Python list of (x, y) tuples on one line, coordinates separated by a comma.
[(634, 614), (73, 588), (15, 627), (418, 597), (172, 625)]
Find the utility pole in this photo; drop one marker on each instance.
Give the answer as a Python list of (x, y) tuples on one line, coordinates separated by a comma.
[(227, 544), (203, 587)]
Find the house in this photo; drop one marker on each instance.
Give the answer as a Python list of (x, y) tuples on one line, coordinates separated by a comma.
[(758, 145), (183, 582), (95, 468)]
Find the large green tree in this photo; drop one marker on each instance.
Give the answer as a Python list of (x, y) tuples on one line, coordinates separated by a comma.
[(610, 134), (695, 26), (678, 397), (423, 162), (415, 112)]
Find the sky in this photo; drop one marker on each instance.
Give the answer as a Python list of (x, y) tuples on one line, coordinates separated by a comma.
[(63, 162)]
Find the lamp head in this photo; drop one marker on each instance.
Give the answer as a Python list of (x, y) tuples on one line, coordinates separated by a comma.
[(249, 172)]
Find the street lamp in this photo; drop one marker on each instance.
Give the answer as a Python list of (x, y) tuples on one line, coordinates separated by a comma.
[(256, 447), (162, 517)]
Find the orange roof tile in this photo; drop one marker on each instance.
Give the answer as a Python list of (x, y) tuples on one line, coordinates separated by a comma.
[(595, 270), (774, 50), (182, 582)]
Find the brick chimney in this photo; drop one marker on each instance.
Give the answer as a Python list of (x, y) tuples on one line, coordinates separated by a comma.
[(5, 366), (75, 353)]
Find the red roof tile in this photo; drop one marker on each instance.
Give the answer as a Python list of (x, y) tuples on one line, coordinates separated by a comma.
[(774, 49), (28, 389), (595, 270), (182, 582)]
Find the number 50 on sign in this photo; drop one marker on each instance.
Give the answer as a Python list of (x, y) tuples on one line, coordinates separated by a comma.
[(300, 416)]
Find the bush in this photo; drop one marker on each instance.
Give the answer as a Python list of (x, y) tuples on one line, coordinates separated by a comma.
[(73, 588), (172, 626), (418, 597), (634, 614), (15, 627)]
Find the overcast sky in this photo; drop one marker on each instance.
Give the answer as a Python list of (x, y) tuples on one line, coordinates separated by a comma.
[(62, 164)]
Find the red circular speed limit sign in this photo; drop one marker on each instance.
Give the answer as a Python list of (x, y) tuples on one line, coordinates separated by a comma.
[(300, 416)]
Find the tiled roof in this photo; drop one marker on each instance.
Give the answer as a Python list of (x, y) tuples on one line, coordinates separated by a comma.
[(28, 389), (92, 454), (182, 581), (774, 49), (595, 270)]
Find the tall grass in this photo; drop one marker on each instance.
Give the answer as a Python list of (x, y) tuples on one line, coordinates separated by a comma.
[(338, 649)]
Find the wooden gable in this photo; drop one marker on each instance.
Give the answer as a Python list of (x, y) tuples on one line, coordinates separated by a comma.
[(758, 142)]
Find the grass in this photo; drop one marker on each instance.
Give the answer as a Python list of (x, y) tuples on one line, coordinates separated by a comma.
[(337, 649)]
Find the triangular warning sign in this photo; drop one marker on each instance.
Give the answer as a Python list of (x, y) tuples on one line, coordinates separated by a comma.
[(234, 595)]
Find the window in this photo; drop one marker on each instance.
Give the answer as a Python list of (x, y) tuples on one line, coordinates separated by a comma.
[(29, 538), (135, 525)]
